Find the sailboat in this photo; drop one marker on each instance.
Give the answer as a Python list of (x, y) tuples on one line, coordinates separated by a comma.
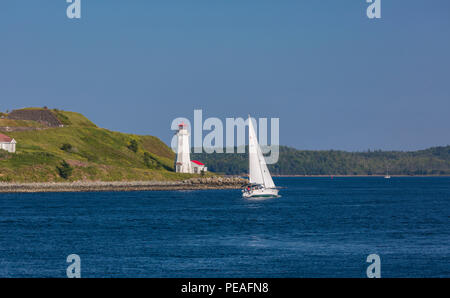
[(261, 182)]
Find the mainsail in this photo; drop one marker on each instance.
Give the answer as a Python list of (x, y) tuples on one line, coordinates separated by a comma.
[(258, 171)]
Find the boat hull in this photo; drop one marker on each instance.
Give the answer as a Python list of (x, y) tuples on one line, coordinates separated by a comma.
[(261, 193)]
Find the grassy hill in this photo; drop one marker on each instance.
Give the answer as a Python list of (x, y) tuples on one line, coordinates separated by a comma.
[(93, 153)]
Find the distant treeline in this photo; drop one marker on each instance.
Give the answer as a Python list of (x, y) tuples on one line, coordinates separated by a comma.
[(433, 161)]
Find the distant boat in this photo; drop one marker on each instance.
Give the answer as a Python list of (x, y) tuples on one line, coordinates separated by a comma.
[(387, 174), (261, 182)]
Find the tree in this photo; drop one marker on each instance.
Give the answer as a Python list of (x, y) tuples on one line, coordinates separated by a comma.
[(64, 170), (149, 161), (133, 146), (66, 147)]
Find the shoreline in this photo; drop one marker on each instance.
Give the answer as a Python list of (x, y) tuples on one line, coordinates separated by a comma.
[(122, 186), (214, 183)]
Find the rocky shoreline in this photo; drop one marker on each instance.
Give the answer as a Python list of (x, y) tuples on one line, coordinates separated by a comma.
[(98, 186)]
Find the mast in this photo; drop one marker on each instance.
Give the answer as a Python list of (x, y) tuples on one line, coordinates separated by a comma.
[(255, 174)]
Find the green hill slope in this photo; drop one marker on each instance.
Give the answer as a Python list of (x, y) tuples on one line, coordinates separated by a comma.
[(93, 153)]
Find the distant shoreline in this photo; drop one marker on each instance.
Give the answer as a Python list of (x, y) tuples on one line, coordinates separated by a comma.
[(350, 176), (122, 186)]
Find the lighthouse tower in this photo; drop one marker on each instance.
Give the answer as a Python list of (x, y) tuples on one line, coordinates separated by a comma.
[(183, 162)]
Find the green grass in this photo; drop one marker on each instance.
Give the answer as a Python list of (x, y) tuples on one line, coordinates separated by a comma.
[(73, 119), (19, 123), (97, 154)]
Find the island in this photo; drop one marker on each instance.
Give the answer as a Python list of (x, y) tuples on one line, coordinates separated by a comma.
[(59, 150)]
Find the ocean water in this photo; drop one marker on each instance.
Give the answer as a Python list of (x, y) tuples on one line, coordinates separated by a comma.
[(320, 227)]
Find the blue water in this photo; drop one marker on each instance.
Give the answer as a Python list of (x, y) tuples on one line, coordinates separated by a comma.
[(320, 227)]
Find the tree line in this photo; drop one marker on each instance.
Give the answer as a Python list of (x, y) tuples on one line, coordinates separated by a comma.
[(432, 161)]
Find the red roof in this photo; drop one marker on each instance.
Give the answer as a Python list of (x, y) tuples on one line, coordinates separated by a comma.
[(182, 124), (5, 139), (197, 162)]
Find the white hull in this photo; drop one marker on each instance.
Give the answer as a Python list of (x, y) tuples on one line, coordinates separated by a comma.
[(261, 193)]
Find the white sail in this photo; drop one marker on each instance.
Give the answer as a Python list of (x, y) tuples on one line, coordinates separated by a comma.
[(258, 171), (255, 173)]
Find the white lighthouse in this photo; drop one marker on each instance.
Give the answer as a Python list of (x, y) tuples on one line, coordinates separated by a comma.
[(183, 161)]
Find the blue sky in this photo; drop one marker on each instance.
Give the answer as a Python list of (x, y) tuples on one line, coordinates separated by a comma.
[(336, 79)]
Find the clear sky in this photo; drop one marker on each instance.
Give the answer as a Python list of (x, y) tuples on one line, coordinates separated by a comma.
[(336, 79)]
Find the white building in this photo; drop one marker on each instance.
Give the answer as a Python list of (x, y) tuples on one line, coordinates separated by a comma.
[(198, 167), (7, 143), (183, 161)]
